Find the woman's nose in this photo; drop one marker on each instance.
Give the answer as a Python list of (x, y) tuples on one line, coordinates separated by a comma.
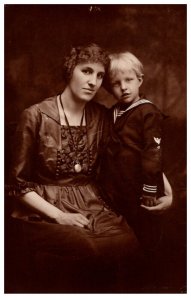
[(93, 80)]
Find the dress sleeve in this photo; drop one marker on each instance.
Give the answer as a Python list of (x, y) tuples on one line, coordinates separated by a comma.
[(151, 155), (22, 173)]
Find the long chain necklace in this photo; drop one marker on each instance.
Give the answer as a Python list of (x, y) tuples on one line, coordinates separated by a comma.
[(77, 165)]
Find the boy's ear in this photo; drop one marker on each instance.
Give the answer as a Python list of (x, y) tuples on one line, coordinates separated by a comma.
[(141, 79)]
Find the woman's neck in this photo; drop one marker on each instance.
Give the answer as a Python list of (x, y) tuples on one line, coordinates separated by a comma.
[(70, 104), (73, 109)]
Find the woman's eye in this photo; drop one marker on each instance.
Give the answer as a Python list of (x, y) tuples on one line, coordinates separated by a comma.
[(86, 71)]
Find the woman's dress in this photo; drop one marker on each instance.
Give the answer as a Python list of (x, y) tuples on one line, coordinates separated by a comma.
[(44, 162)]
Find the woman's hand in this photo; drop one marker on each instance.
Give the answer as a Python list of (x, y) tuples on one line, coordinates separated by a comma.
[(162, 203), (39, 205), (73, 219)]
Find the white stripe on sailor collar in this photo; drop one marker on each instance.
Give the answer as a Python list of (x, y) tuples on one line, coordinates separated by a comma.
[(117, 112)]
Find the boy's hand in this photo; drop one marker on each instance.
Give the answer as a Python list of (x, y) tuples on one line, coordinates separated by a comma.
[(163, 204), (148, 200)]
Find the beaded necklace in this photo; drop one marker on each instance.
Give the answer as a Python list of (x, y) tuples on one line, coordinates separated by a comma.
[(76, 163)]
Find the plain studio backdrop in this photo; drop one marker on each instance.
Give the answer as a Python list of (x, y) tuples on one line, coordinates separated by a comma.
[(36, 40)]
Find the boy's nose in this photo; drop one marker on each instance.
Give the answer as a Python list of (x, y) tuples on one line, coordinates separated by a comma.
[(123, 86)]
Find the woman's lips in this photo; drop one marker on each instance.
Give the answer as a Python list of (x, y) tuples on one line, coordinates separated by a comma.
[(89, 90)]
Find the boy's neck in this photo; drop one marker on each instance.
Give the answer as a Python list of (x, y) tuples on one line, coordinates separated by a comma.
[(124, 105)]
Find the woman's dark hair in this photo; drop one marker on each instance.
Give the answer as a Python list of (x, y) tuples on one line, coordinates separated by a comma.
[(82, 54)]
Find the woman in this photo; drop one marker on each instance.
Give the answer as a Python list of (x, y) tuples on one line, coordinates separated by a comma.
[(60, 212)]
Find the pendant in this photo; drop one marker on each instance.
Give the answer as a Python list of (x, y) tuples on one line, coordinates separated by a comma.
[(77, 168)]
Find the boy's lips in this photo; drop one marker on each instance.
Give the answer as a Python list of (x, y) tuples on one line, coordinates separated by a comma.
[(125, 95)]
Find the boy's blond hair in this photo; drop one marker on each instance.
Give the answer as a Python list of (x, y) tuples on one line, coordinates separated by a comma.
[(123, 61)]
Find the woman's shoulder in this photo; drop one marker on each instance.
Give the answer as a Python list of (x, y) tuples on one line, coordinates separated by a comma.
[(97, 108), (42, 104), (96, 112), (33, 112), (47, 105)]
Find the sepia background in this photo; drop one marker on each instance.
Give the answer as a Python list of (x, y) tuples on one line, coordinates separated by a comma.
[(36, 40)]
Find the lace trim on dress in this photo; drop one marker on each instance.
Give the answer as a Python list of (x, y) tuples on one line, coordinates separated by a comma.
[(19, 188), (67, 155)]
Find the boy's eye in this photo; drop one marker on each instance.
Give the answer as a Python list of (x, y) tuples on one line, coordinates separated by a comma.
[(129, 79), (100, 75)]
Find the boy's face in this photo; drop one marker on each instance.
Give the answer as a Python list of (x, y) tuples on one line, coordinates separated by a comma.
[(125, 85)]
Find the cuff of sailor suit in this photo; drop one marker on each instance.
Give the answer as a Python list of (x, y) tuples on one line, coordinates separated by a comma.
[(149, 190)]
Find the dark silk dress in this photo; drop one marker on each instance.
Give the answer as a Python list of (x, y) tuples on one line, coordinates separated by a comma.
[(43, 163)]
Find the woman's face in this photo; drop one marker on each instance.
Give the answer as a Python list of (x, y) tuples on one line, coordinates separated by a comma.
[(86, 80)]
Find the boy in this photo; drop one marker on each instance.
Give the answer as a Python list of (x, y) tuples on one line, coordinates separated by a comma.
[(131, 169)]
